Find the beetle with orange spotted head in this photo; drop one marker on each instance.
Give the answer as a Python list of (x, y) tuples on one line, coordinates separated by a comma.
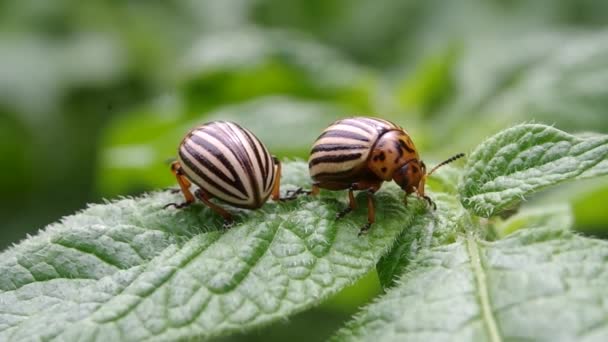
[(360, 153)]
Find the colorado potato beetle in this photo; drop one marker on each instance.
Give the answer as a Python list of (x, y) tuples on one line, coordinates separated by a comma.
[(361, 153), (227, 162)]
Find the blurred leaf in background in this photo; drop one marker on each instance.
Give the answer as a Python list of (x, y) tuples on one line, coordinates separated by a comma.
[(135, 159), (66, 68), (95, 96), (235, 66)]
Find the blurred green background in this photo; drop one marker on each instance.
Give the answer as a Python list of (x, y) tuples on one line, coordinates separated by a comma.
[(95, 95)]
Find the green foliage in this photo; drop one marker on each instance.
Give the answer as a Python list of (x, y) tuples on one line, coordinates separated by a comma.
[(541, 284), (558, 216), (524, 159), (130, 270), (95, 97), (234, 67)]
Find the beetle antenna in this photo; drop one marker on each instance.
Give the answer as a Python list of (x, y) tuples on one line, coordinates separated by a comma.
[(445, 162)]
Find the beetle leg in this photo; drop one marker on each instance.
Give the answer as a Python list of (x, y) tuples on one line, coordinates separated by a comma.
[(352, 204), (425, 197), (293, 194), (228, 221), (184, 184), (315, 189), (421, 186), (430, 202), (371, 212), (276, 190), (276, 187), (370, 188)]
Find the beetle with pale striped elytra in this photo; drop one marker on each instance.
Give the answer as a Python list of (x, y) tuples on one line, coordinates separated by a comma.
[(361, 153), (227, 162)]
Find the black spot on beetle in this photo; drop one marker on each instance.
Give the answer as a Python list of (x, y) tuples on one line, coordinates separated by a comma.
[(405, 147), (399, 150)]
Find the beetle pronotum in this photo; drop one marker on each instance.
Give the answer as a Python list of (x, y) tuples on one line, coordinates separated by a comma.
[(361, 153), (227, 162)]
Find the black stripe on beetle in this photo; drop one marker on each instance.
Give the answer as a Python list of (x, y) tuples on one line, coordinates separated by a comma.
[(197, 170), (336, 147), (222, 158), (256, 152), (339, 158), (338, 175), (213, 168), (243, 159)]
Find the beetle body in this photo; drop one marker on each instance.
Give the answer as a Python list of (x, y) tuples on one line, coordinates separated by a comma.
[(360, 148), (227, 162), (361, 153)]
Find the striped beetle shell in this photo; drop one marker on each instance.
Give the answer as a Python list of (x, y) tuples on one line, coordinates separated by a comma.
[(361, 153), (360, 147), (228, 162)]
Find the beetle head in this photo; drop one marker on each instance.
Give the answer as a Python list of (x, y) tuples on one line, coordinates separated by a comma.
[(409, 176)]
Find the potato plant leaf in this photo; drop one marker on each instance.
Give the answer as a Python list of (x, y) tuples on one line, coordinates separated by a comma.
[(515, 289), (434, 228), (526, 158), (558, 216), (129, 270)]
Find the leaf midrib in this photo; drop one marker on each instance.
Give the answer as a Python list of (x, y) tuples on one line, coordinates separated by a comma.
[(483, 295)]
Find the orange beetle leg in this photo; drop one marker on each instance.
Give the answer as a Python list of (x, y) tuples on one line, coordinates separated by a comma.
[(184, 185), (371, 188), (421, 186), (205, 198), (420, 193), (315, 189), (276, 188), (371, 212), (352, 204)]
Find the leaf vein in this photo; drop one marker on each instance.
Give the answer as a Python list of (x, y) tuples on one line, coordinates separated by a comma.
[(482, 289)]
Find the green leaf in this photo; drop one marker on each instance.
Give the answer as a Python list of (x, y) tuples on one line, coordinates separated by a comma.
[(129, 270), (436, 228), (587, 200), (526, 158), (539, 284), (431, 84), (505, 79), (558, 216), (237, 66)]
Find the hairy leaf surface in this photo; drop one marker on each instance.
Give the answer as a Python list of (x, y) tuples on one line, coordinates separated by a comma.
[(129, 270), (541, 284), (526, 158), (435, 228)]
